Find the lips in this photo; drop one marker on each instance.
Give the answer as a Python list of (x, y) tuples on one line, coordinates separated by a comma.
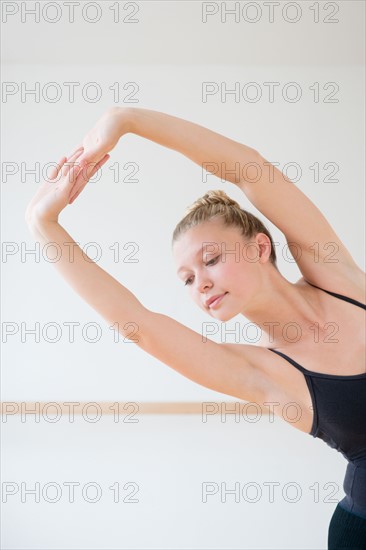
[(215, 299)]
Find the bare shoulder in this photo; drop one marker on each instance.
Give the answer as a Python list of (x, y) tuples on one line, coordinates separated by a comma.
[(278, 381)]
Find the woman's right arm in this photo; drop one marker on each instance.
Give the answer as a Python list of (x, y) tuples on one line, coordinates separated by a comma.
[(307, 231), (319, 252)]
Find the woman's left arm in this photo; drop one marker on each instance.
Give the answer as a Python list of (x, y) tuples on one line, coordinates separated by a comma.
[(114, 302), (100, 290)]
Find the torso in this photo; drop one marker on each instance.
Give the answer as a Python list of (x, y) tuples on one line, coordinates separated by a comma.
[(336, 348)]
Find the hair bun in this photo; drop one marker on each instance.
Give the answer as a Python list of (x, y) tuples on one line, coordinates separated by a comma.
[(213, 197)]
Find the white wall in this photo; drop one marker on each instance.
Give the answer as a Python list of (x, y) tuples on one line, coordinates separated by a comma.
[(169, 460), (169, 54), (146, 212)]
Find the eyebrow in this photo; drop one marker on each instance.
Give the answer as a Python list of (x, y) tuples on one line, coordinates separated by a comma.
[(199, 251)]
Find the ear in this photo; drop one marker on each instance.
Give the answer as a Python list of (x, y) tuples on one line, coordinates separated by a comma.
[(264, 245)]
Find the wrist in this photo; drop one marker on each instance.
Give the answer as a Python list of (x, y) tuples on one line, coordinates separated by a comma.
[(39, 228), (124, 116)]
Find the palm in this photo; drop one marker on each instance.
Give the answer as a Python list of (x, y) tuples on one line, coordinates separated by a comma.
[(53, 196)]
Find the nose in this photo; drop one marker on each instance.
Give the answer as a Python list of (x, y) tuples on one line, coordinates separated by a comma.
[(204, 285)]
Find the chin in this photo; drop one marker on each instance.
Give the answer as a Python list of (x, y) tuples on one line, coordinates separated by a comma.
[(221, 316), (228, 318)]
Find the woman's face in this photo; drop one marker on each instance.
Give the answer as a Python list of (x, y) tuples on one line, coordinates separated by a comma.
[(212, 259)]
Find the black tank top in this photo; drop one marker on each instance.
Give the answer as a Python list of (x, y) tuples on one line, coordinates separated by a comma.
[(339, 406)]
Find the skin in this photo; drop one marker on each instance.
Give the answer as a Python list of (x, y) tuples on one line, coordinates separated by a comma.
[(55, 193), (255, 287)]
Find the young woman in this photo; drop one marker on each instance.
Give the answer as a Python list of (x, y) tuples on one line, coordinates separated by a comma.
[(325, 374)]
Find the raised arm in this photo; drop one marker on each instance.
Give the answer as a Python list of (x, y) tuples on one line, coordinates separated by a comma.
[(315, 246), (312, 241), (215, 153), (225, 158)]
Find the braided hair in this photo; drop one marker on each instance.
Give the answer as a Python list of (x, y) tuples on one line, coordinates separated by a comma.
[(217, 204)]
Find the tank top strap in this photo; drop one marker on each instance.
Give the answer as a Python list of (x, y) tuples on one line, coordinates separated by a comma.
[(294, 363), (340, 296)]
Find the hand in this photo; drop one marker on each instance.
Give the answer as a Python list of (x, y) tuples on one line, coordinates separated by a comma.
[(53, 196), (102, 138)]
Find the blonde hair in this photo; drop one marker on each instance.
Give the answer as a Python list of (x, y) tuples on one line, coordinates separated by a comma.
[(216, 204)]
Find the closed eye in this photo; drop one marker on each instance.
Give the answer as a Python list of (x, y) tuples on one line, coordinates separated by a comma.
[(187, 283)]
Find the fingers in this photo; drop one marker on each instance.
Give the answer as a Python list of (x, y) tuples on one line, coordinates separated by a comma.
[(91, 156), (99, 165), (88, 170), (71, 162), (75, 196), (83, 177), (76, 154), (78, 147), (72, 176), (56, 169), (61, 163)]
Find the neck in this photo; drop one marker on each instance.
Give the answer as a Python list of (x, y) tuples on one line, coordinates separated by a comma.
[(282, 310)]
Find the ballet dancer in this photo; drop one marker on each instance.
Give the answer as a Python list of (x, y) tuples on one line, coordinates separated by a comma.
[(324, 373)]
